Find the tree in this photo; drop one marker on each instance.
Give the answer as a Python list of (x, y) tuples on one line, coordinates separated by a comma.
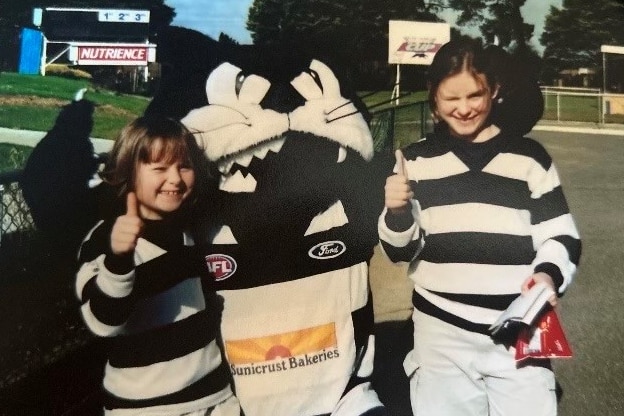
[(500, 22), (573, 34), (227, 40), (348, 32), (501, 19)]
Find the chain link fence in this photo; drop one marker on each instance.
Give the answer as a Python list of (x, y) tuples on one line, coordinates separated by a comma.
[(16, 222), (398, 126)]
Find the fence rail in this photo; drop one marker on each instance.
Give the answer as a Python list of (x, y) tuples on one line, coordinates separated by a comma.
[(400, 125), (584, 106), (391, 127)]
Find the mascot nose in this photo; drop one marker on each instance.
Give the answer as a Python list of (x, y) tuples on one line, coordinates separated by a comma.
[(283, 98)]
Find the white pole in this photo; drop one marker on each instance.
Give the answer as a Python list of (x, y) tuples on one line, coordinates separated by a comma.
[(604, 72), (44, 56), (604, 87), (396, 91)]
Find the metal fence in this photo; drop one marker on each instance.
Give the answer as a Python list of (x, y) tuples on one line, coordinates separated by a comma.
[(16, 221), (391, 127), (582, 105), (397, 126)]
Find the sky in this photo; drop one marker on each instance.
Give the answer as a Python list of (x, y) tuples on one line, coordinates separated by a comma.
[(212, 17)]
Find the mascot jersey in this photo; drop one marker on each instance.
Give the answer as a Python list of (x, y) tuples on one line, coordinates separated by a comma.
[(295, 229)]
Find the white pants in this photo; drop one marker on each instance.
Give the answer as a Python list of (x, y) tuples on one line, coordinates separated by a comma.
[(454, 372)]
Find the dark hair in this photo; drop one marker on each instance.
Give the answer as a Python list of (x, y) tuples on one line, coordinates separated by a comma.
[(463, 54), (152, 139), (519, 103)]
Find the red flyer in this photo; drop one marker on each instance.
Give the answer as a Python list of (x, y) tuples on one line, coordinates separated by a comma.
[(544, 339)]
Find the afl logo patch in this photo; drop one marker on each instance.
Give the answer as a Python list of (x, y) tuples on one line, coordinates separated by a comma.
[(221, 266), (327, 250)]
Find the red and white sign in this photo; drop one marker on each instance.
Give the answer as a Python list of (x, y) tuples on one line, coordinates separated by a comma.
[(415, 43), (112, 54)]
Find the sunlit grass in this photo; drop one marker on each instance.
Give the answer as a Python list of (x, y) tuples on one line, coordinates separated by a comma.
[(23, 110)]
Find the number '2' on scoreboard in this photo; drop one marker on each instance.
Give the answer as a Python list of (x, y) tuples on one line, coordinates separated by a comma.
[(124, 16)]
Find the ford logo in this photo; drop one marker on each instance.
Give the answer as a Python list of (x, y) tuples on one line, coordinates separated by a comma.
[(327, 250)]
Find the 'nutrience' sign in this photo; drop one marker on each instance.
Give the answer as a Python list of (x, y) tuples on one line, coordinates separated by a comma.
[(112, 54)]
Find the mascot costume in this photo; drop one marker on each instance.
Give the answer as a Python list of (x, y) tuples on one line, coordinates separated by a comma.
[(291, 229)]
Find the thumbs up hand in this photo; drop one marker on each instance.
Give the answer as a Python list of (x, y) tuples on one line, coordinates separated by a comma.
[(398, 190), (127, 228)]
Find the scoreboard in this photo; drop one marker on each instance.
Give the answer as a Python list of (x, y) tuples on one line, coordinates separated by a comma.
[(93, 25)]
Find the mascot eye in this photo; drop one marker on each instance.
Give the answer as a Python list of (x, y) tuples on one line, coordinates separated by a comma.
[(240, 80), (317, 79)]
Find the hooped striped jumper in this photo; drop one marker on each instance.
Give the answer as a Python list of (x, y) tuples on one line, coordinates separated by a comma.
[(163, 354), (485, 216)]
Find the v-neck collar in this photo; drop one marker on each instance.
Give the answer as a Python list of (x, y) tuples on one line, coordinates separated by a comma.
[(476, 156)]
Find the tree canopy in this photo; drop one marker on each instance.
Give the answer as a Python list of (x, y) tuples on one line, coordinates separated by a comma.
[(501, 22), (574, 33), (350, 30), (357, 30)]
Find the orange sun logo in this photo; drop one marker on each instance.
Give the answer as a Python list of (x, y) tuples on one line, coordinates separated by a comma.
[(288, 344)]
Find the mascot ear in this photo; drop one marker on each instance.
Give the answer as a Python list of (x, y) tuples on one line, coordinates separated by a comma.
[(327, 113), (227, 86), (234, 120), (319, 82)]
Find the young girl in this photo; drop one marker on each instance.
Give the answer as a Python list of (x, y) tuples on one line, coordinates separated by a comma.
[(139, 281), (479, 213)]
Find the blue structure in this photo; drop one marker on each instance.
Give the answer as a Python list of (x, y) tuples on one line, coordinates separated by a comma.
[(31, 44)]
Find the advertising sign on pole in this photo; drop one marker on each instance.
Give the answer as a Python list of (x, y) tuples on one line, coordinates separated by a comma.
[(415, 43), (112, 53)]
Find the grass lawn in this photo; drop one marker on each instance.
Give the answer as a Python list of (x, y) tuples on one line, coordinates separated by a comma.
[(32, 102)]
